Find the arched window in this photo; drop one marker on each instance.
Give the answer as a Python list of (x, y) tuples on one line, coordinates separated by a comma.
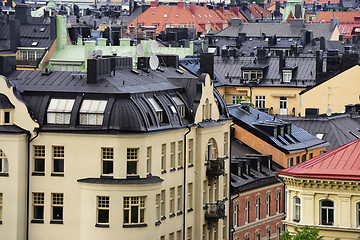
[(268, 232), (211, 152), (268, 201), (236, 215), (207, 109), (4, 165), (326, 212), (297, 209), (257, 234), (247, 236)]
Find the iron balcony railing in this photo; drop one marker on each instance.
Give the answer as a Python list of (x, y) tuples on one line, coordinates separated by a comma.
[(214, 211), (215, 168)]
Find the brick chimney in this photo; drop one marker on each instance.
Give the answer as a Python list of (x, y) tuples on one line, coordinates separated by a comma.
[(221, 9), (357, 19), (153, 4), (181, 5), (235, 10), (192, 7)]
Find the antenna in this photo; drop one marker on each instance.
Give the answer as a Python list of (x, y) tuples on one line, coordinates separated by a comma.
[(154, 62), (139, 49), (154, 47), (328, 112)]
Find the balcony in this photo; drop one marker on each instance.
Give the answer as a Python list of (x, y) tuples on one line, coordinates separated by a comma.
[(214, 211), (215, 168)]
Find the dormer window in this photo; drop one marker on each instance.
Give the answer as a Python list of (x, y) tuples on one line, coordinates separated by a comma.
[(252, 75), (59, 111), (180, 105), (165, 15), (287, 75), (7, 119), (158, 109), (92, 112)]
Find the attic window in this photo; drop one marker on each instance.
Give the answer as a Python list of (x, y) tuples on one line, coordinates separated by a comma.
[(287, 75), (34, 44), (320, 135), (42, 29), (165, 15), (205, 15), (193, 15), (59, 111), (92, 112), (199, 15), (157, 107), (180, 105)]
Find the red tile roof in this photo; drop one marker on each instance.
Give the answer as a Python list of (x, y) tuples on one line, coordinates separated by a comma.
[(348, 30), (342, 16), (257, 10), (307, 1), (340, 163)]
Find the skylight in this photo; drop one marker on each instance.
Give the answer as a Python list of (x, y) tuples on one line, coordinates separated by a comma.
[(34, 44), (42, 29), (320, 135), (165, 15)]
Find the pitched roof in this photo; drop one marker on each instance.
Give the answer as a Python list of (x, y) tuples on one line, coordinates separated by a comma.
[(340, 163), (342, 16)]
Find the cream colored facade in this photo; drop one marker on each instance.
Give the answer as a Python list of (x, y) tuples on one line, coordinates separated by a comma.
[(345, 195), (82, 160), (334, 94)]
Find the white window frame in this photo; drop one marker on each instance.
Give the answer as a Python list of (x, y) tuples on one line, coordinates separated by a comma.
[(92, 112), (107, 156), (247, 209), (257, 207), (163, 157), (287, 76), (180, 150), (57, 201), (172, 201), (132, 156), (268, 202), (138, 202), (148, 159), (58, 154), (4, 163), (235, 99), (59, 111), (278, 200), (102, 204), (179, 198), (38, 201), (191, 152), (236, 214), (1, 206), (190, 195), (328, 209), (260, 101), (297, 208)]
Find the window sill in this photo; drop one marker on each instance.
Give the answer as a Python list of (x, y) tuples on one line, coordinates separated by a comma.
[(135, 225), (190, 210), (102, 225), (180, 168), (0, 222), (38, 174), (179, 213), (163, 171), (172, 215), (56, 222), (157, 223), (57, 174), (162, 218), (106, 176), (133, 177), (173, 170), (4, 174), (190, 165), (37, 221)]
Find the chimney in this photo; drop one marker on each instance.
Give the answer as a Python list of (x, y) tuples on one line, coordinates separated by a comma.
[(262, 54), (14, 35), (204, 4), (319, 61), (349, 108), (170, 60), (192, 7), (23, 13), (334, 22), (349, 58), (153, 4), (224, 52), (333, 61), (281, 60), (357, 19), (221, 9), (98, 68), (235, 10), (322, 43), (277, 6), (245, 105), (53, 28), (235, 21), (181, 5), (298, 12)]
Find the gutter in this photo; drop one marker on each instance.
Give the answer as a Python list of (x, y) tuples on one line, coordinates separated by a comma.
[(184, 184)]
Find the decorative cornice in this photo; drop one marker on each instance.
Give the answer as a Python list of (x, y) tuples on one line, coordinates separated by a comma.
[(259, 222), (323, 227)]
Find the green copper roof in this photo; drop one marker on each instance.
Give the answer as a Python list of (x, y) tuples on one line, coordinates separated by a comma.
[(51, 5)]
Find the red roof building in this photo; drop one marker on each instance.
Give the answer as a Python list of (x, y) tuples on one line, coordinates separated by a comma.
[(192, 16), (344, 17)]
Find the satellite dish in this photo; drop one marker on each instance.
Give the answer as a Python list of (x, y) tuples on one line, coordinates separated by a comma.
[(139, 49), (154, 62), (328, 112), (154, 47)]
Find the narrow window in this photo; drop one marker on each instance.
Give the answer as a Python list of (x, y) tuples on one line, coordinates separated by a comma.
[(180, 105), (134, 210), (38, 206), (278, 200), (58, 160), (268, 233), (132, 161), (172, 155), (226, 144), (163, 158), (171, 236), (297, 209), (357, 210), (190, 195), (107, 161), (39, 159), (257, 207), (158, 109), (191, 153), (157, 207), (178, 235), (290, 162), (148, 160), (1, 207), (268, 200), (297, 159), (92, 112), (6, 117), (205, 187), (247, 236), (257, 235), (103, 204), (260, 101), (172, 200), (4, 165), (247, 208), (311, 155), (189, 233), (162, 204), (59, 111), (57, 206), (278, 231), (327, 212), (225, 186), (235, 99), (180, 153), (204, 231), (303, 158), (224, 230), (236, 215), (179, 198)]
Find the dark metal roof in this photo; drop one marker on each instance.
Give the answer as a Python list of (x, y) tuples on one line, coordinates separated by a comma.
[(209, 123), (12, 129), (256, 121), (5, 103), (148, 180)]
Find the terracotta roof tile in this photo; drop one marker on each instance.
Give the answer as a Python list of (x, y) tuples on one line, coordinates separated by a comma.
[(340, 163), (344, 17)]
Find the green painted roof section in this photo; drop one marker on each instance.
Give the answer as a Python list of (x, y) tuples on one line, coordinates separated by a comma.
[(69, 53), (38, 12), (51, 5), (290, 7)]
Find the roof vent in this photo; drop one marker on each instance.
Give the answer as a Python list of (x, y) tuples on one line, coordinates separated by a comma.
[(179, 71), (134, 71), (46, 72)]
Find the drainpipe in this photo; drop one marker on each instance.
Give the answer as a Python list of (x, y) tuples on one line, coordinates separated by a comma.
[(184, 194), (231, 217), (28, 181)]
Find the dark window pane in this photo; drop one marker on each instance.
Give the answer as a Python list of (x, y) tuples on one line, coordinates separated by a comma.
[(142, 215), (134, 214), (331, 216), (58, 165), (108, 167), (57, 213), (7, 117), (1, 166), (323, 216), (103, 216), (39, 165), (126, 216), (131, 167), (327, 203), (38, 212)]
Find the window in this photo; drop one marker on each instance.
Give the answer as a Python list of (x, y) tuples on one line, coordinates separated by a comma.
[(252, 75), (225, 231), (278, 200), (38, 206), (58, 160), (290, 162), (171, 236), (260, 101), (162, 204), (297, 209), (278, 231), (180, 105), (226, 143), (211, 152), (189, 233), (357, 210), (172, 201), (132, 161), (247, 208), (311, 155), (247, 236), (57, 206), (103, 209), (225, 186), (4, 165), (162, 238), (204, 231), (303, 158), (7, 119), (320, 135), (1, 207), (165, 15), (297, 159), (163, 157), (268, 200), (59, 111), (148, 160), (327, 212), (235, 99), (157, 107), (205, 187), (257, 235), (268, 232), (172, 155), (257, 207), (107, 161), (178, 235), (180, 153), (191, 152), (31, 55), (179, 198), (157, 207), (190, 195), (92, 112), (39, 159), (236, 215), (134, 210), (287, 75)]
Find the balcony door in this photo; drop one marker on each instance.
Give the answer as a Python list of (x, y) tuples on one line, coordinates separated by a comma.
[(283, 106)]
